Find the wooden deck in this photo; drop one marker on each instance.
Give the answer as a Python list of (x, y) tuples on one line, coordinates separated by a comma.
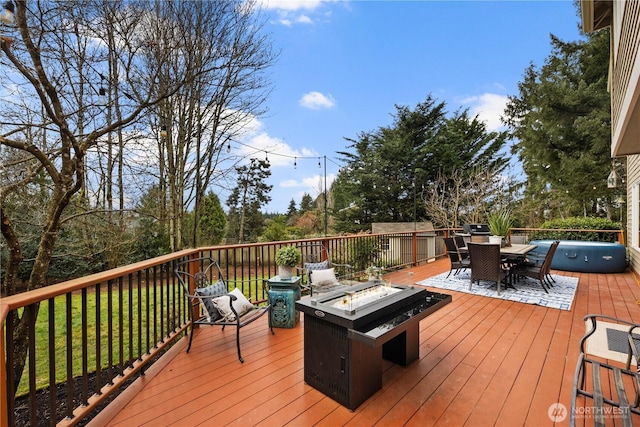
[(483, 362)]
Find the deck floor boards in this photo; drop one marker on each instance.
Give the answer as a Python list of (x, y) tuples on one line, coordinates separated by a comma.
[(483, 362)]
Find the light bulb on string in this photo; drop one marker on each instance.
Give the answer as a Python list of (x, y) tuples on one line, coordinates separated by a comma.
[(228, 148), (295, 163), (319, 165)]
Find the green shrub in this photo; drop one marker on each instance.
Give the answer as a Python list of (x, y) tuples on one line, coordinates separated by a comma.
[(363, 252), (578, 223)]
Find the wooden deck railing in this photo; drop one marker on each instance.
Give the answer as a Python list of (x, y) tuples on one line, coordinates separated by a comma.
[(108, 327)]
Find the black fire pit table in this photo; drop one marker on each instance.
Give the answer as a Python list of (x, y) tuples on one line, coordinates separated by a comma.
[(347, 333)]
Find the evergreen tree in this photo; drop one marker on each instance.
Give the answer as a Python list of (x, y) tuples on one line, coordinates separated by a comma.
[(306, 204), (291, 210), (152, 237), (561, 119), (388, 168), (213, 221), (246, 199)]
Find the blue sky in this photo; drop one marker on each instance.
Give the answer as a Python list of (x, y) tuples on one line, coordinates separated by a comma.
[(344, 65)]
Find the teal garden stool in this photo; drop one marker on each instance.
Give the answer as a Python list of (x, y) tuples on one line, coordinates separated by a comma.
[(283, 293)]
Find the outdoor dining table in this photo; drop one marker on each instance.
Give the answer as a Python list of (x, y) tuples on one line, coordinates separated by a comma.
[(515, 250)]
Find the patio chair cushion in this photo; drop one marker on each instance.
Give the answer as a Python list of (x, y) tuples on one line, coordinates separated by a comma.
[(217, 289), (323, 277), (241, 305), (316, 265)]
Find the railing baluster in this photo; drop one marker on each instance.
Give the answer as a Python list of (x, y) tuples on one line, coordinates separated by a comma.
[(155, 307), (30, 311), (70, 385), (165, 284), (85, 347), (98, 386), (139, 307), (130, 320), (147, 309), (162, 305), (120, 327), (52, 360), (11, 385), (110, 330)]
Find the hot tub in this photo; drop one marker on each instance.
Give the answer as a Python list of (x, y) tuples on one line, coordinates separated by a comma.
[(583, 256)]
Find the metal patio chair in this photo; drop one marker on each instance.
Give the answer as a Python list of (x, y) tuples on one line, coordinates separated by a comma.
[(315, 256), (210, 301)]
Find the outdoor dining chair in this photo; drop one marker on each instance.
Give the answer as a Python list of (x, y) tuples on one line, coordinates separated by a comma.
[(458, 261), (486, 264), (460, 243), (541, 272)]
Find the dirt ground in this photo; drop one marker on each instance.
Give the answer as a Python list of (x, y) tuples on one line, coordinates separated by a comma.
[(22, 410)]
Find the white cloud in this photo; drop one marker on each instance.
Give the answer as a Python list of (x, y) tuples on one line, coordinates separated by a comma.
[(304, 19), (489, 107), (316, 101), (291, 4), (289, 11), (312, 185)]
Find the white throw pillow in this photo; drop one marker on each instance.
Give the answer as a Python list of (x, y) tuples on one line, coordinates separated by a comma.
[(323, 277), (241, 305)]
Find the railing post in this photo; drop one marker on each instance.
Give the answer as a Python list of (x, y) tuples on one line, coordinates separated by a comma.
[(193, 269)]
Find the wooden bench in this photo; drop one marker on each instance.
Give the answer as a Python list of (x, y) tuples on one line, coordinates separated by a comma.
[(608, 390)]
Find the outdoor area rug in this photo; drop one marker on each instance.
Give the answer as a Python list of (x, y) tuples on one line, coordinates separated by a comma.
[(609, 341), (527, 290)]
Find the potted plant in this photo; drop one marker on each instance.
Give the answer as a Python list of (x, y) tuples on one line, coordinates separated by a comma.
[(499, 224), (374, 272), (287, 258)]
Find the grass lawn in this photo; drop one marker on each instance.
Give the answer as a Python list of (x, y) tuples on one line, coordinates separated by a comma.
[(129, 321)]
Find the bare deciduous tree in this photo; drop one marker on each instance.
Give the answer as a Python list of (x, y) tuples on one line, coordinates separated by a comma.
[(88, 80), (452, 201)]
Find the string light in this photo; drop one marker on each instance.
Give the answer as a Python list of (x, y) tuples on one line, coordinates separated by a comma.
[(295, 158), (228, 147)]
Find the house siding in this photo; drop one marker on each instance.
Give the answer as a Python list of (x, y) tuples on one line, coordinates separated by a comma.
[(633, 178)]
